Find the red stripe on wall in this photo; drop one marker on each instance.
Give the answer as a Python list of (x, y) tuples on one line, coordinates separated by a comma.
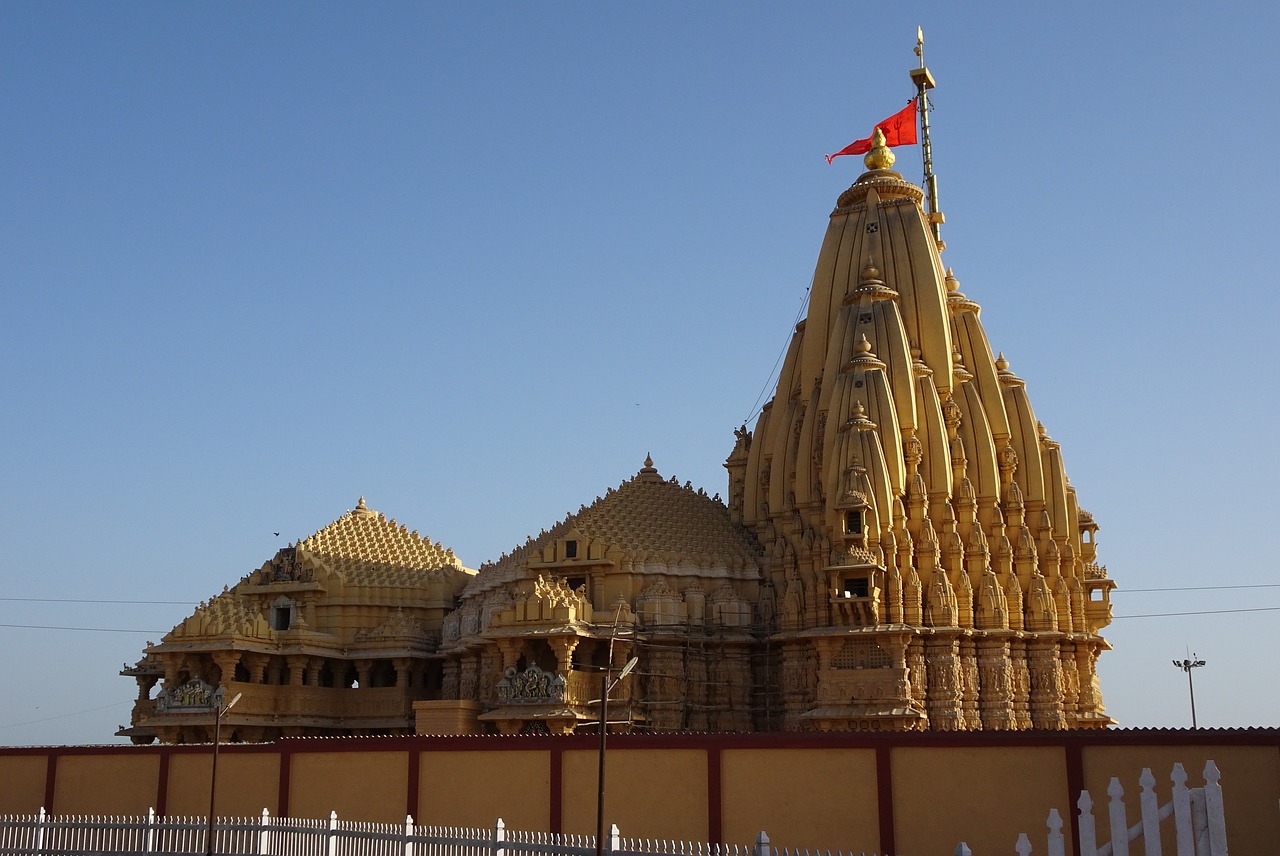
[(1075, 784), (556, 790), (50, 777), (715, 830), (415, 770), (884, 797), (282, 795), (162, 785)]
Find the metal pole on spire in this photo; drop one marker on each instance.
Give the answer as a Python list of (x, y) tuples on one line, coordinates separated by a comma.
[(924, 82)]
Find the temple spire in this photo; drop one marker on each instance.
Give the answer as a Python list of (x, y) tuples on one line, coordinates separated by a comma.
[(923, 80)]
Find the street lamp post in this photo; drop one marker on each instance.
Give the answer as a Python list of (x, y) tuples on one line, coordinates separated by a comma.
[(218, 711), (1187, 665), (606, 686)]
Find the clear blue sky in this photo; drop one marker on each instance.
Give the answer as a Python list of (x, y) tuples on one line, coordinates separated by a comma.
[(474, 261)]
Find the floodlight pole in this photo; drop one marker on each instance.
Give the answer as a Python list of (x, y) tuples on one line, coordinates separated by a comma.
[(218, 711), (1187, 665), (606, 686)]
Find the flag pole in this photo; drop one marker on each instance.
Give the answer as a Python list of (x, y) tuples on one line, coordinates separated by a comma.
[(924, 82)]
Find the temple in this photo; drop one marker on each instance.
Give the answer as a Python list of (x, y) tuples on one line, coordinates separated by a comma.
[(900, 550)]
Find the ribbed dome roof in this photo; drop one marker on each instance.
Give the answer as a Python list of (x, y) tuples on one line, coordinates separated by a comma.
[(366, 547), (645, 518)]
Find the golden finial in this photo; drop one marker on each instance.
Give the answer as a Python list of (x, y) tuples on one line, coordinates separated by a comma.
[(880, 157)]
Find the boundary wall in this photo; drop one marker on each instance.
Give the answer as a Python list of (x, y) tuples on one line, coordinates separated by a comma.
[(883, 793)]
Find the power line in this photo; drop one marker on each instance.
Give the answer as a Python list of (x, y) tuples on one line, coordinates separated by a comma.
[(90, 600), (1198, 588), (87, 629), (1205, 612), (64, 715)]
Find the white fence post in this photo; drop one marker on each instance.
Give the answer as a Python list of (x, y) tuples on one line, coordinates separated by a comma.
[(39, 848), (1056, 845), (407, 849), (1214, 808), (1023, 847), (1088, 827), (1183, 831), (962, 849), (331, 847), (149, 834), (264, 833), (614, 842), (499, 838), (1119, 821), (1150, 806), (761, 847)]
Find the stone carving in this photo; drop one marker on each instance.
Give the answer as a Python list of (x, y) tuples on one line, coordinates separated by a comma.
[(533, 685), (192, 697)]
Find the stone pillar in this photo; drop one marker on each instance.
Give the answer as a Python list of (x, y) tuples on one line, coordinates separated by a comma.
[(1088, 703), (510, 649), (1046, 684), (403, 665), (449, 679), (738, 669), (364, 673), (226, 661), (257, 665), (297, 669), (1021, 683), (467, 677), (563, 646), (664, 687), (969, 685), (1070, 682), (943, 701), (995, 670), (490, 659), (916, 673), (314, 665)]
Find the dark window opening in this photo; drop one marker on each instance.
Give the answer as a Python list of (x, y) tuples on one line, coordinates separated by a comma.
[(280, 617), (857, 587), (575, 583), (853, 522), (571, 549)]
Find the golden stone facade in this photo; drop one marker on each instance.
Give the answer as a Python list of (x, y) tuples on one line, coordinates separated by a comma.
[(338, 634), (900, 550)]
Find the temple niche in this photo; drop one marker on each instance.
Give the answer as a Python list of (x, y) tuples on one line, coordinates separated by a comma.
[(901, 550)]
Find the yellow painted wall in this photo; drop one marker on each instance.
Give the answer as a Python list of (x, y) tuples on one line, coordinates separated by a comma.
[(22, 780), (800, 796), (803, 793), (370, 786), (465, 788), (1250, 779), (247, 783), (982, 796), (106, 784), (660, 794)]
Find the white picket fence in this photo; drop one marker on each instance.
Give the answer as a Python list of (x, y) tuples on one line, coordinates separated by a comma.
[(84, 835), (1199, 822)]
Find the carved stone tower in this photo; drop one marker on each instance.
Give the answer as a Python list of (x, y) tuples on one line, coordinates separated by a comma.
[(934, 567)]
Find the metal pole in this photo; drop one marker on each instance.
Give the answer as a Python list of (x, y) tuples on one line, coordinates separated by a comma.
[(213, 777), (1187, 665), (1191, 688), (218, 709), (604, 721)]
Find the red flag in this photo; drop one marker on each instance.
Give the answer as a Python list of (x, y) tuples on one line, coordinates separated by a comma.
[(899, 130)]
